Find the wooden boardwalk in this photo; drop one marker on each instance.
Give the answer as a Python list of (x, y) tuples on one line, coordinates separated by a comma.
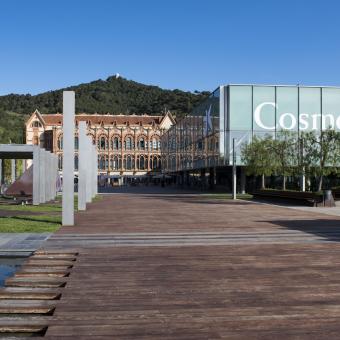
[(175, 266)]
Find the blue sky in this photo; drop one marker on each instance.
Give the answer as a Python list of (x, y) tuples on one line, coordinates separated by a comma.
[(187, 44)]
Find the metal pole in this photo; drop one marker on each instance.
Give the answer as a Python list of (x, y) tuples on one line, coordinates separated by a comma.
[(234, 171)]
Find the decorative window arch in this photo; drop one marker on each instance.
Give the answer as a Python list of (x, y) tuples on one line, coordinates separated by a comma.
[(143, 161), (129, 162), (116, 143), (116, 163), (60, 142), (155, 162), (36, 124), (142, 144), (101, 162), (102, 143), (128, 143), (155, 143)]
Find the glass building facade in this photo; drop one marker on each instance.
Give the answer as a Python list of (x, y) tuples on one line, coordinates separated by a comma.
[(235, 113)]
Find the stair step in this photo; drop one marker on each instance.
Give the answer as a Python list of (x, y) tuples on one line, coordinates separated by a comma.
[(31, 282)]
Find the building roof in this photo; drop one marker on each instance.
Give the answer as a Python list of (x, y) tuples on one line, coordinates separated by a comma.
[(57, 119)]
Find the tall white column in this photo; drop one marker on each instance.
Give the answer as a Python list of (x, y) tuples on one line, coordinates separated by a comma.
[(89, 157), (47, 176), (95, 170), (42, 178), (55, 175), (83, 166), (13, 175), (68, 158), (36, 175)]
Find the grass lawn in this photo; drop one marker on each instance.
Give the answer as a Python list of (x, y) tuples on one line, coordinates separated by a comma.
[(35, 223), (29, 224), (228, 196), (56, 206)]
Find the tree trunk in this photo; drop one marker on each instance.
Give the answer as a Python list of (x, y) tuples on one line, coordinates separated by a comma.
[(263, 182), (284, 183), (320, 183)]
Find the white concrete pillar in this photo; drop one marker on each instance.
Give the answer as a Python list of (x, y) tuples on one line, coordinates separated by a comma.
[(42, 175), (47, 176), (68, 158), (36, 175), (89, 170), (95, 170), (55, 173), (50, 176), (83, 166), (13, 175)]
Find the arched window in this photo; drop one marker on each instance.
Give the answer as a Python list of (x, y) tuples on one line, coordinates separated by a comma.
[(129, 162), (141, 143), (115, 143), (115, 163), (76, 162), (60, 142), (128, 143), (142, 163), (155, 163), (101, 163), (36, 124), (102, 143), (60, 162), (155, 144)]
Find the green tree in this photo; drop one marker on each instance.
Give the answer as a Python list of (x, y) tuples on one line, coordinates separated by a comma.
[(321, 153), (285, 154), (257, 158)]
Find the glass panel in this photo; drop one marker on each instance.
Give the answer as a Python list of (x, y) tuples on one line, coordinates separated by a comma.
[(331, 108), (240, 110), (310, 115), (264, 108), (287, 108)]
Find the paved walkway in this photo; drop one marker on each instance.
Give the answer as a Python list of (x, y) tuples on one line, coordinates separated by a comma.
[(21, 244), (179, 266)]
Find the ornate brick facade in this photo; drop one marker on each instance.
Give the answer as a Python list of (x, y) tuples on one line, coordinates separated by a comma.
[(128, 145)]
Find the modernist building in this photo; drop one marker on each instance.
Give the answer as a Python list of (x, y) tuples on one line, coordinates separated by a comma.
[(128, 145), (201, 144)]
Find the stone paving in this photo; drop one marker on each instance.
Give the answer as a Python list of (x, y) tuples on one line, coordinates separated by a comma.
[(21, 243)]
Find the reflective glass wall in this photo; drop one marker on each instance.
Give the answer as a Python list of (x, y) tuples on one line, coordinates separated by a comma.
[(193, 142), (236, 113)]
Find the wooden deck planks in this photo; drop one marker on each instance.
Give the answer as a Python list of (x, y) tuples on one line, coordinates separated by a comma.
[(257, 290)]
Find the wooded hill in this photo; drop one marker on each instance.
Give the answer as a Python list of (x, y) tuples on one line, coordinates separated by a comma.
[(113, 95)]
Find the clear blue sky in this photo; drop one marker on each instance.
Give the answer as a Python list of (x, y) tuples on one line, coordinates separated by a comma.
[(187, 44)]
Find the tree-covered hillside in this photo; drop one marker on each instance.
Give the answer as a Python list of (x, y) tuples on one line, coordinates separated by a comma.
[(114, 95)]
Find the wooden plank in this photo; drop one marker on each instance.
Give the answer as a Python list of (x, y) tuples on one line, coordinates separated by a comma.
[(258, 286), (30, 282)]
